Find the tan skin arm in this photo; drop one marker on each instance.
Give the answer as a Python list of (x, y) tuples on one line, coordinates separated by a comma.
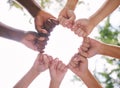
[(110, 50), (106, 9), (93, 47), (79, 66), (83, 27), (90, 80)]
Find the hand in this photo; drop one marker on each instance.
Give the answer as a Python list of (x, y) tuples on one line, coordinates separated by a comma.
[(57, 72), (78, 64), (42, 62), (34, 41), (41, 21), (89, 47), (82, 27), (66, 17)]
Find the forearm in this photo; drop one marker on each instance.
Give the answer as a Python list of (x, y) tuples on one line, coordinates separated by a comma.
[(54, 84), (106, 9), (11, 33), (90, 80), (71, 4), (27, 79), (110, 50), (32, 7)]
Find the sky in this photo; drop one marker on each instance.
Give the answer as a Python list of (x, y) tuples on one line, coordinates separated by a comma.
[(16, 59)]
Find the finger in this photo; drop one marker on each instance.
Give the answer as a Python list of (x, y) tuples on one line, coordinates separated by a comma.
[(60, 18), (84, 34), (83, 53), (40, 45), (62, 21), (39, 24), (75, 27), (72, 65), (80, 59), (52, 64), (45, 58), (86, 39), (41, 29), (83, 48), (54, 21), (49, 25), (42, 38), (71, 17), (59, 65), (56, 60), (87, 45), (41, 61), (68, 23), (64, 67)]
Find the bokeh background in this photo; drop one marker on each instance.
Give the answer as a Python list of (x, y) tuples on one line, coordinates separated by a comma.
[(16, 59)]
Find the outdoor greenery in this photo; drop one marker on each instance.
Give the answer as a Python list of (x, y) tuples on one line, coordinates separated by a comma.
[(111, 73), (110, 76)]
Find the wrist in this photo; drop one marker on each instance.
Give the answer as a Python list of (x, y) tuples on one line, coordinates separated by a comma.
[(92, 21), (35, 71), (101, 48), (54, 84)]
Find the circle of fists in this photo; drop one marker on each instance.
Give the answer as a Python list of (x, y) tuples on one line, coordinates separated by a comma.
[(45, 23)]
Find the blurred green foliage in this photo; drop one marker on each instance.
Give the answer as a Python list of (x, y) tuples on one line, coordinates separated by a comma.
[(111, 74), (108, 34)]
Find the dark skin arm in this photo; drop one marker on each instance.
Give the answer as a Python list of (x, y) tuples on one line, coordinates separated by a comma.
[(10, 33), (40, 16), (32, 7), (31, 39)]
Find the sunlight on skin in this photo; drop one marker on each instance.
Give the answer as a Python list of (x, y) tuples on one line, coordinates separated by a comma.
[(16, 59)]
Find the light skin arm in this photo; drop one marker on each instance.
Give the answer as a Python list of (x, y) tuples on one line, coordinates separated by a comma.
[(66, 16), (93, 47), (57, 72), (106, 9), (83, 27), (41, 64), (79, 66)]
